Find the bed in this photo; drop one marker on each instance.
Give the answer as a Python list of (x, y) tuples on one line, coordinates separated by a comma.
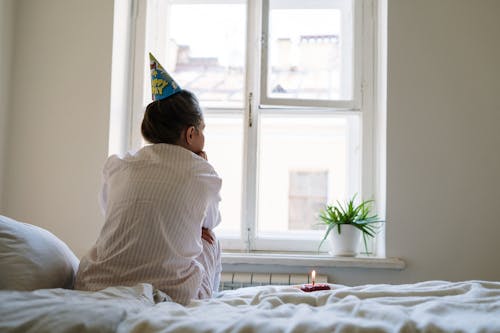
[(432, 306), (46, 305)]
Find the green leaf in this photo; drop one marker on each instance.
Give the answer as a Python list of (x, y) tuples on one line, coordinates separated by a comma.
[(330, 227)]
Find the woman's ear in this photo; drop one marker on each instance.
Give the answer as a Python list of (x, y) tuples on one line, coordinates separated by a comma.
[(189, 135)]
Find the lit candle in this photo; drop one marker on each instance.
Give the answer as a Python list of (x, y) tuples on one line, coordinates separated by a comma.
[(313, 286)]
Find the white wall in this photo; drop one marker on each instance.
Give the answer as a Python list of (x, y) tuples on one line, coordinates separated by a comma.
[(443, 182), (59, 117)]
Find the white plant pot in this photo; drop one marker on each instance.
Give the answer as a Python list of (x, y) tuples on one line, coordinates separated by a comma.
[(347, 243)]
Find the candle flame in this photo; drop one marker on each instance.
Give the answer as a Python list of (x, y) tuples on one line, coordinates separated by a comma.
[(313, 277)]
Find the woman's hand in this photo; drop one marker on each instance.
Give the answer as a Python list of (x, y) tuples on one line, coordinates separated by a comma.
[(203, 155), (207, 235)]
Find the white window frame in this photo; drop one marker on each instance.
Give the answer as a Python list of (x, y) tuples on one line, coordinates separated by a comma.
[(256, 104)]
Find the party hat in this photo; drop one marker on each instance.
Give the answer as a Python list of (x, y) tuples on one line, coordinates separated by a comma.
[(162, 84)]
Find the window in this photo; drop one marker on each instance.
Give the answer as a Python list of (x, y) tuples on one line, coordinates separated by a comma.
[(287, 91)]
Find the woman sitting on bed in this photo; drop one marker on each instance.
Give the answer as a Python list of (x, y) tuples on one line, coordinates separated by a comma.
[(160, 205)]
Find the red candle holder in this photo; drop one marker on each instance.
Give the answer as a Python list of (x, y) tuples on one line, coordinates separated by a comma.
[(314, 287)]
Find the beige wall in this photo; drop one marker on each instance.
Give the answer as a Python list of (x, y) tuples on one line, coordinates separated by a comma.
[(58, 122), (443, 182), (443, 167), (6, 37)]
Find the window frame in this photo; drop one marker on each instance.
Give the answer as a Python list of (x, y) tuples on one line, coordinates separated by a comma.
[(256, 104)]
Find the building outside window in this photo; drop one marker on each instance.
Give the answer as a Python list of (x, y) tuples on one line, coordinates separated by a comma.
[(307, 195)]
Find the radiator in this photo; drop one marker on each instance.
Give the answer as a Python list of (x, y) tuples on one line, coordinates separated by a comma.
[(235, 280)]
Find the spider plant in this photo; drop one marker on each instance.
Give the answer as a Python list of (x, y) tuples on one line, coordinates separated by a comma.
[(359, 216)]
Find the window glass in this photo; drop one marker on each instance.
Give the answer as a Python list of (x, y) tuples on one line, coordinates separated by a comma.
[(224, 145), (206, 50), (307, 195), (310, 50), (303, 164)]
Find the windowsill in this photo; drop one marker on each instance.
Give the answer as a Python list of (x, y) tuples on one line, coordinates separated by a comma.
[(309, 259)]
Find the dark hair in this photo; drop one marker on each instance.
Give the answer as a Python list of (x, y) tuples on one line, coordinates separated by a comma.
[(165, 119)]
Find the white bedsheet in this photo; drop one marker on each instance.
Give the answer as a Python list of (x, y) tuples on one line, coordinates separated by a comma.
[(433, 306), (62, 310)]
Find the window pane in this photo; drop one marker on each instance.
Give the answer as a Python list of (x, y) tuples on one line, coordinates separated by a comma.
[(224, 146), (207, 50), (307, 194), (305, 162), (310, 50)]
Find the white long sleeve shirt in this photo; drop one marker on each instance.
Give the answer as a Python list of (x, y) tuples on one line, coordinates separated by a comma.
[(155, 202)]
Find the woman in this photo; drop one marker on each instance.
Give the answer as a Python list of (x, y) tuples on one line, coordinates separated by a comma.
[(160, 205)]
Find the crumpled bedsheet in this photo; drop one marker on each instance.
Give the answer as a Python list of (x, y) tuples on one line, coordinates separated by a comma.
[(431, 306)]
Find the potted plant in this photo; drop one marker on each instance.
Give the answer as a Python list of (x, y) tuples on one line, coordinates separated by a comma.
[(346, 224)]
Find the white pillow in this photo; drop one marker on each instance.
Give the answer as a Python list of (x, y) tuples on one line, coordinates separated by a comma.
[(33, 258)]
